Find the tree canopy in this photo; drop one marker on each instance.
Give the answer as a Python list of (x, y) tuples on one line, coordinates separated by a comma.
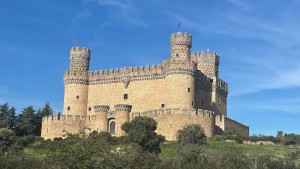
[(141, 130), (192, 134)]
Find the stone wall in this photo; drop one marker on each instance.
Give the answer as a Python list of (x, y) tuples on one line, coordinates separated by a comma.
[(55, 126), (226, 124), (170, 121)]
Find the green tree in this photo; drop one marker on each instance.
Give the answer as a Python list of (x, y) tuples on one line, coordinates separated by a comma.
[(42, 112), (8, 117), (192, 134), (27, 122), (141, 130)]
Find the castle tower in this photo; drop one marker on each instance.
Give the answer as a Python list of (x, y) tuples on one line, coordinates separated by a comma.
[(101, 118), (76, 82), (121, 116), (181, 46), (219, 96), (180, 80), (207, 63)]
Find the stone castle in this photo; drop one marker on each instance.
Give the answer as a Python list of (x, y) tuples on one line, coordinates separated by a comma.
[(182, 90)]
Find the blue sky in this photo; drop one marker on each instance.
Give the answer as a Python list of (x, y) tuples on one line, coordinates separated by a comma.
[(258, 41)]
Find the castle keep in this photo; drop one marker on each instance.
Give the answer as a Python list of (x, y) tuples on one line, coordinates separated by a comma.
[(182, 90)]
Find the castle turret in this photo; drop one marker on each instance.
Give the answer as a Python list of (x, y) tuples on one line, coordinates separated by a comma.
[(76, 82), (207, 63), (79, 59), (121, 116), (181, 46), (101, 118), (179, 75)]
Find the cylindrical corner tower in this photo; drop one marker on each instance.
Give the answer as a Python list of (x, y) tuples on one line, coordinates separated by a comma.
[(181, 46), (101, 118), (179, 76), (76, 82), (121, 116)]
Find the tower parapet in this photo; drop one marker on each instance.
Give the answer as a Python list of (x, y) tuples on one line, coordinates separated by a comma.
[(207, 63), (181, 46), (79, 58)]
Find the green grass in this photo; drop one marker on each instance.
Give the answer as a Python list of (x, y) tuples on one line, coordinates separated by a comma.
[(168, 149), (37, 152), (278, 151)]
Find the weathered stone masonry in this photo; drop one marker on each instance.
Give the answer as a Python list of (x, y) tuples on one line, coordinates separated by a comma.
[(182, 90)]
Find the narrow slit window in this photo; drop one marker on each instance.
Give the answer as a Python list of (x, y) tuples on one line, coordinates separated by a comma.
[(77, 97), (189, 90), (90, 108), (69, 108)]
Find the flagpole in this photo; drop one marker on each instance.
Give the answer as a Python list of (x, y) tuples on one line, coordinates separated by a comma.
[(74, 41)]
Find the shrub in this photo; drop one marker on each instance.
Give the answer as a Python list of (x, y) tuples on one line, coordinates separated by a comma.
[(141, 130), (192, 134), (6, 139)]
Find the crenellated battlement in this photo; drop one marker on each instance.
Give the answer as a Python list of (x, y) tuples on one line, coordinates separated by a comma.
[(207, 54), (205, 57), (126, 71), (220, 85), (62, 118), (80, 50), (192, 112), (179, 39), (231, 121)]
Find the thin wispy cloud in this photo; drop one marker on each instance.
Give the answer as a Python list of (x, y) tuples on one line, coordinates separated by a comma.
[(281, 80), (291, 105), (82, 15), (121, 11)]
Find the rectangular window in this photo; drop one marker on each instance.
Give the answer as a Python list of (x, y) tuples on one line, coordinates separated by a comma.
[(125, 96), (77, 97), (162, 105), (90, 108), (192, 103), (69, 108), (189, 90)]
